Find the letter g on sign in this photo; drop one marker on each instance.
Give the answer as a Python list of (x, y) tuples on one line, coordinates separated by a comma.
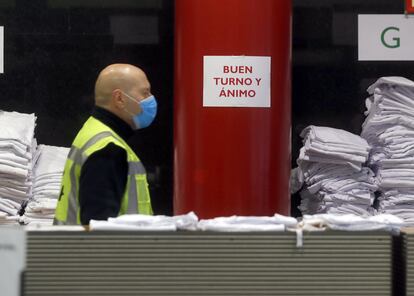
[(395, 43)]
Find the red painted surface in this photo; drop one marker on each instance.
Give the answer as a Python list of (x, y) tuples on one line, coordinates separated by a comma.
[(231, 161), (409, 6)]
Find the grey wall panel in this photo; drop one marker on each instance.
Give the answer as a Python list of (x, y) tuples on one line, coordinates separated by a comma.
[(194, 263), (409, 260)]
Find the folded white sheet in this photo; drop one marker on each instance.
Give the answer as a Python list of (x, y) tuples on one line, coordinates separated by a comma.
[(106, 225), (17, 126), (352, 222), (391, 81), (183, 222), (207, 225), (51, 160)]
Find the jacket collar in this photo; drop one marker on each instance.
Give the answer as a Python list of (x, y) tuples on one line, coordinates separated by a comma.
[(114, 122)]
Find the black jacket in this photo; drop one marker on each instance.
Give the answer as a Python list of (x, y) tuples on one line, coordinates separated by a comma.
[(104, 175)]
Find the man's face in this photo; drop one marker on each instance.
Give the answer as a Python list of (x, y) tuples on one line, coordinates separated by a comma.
[(138, 93)]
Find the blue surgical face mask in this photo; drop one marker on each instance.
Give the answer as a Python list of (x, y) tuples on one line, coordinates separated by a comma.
[(149, 111)]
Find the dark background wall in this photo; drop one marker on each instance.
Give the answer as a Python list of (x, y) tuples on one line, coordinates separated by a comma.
[(54, 50)]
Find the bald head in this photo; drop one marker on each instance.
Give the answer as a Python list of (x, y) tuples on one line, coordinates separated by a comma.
[(117, 76), (118, 89)]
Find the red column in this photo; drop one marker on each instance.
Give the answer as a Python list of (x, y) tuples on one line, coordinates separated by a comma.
[(231, 160)]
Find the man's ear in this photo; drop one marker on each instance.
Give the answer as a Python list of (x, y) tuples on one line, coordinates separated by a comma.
[(117, 98)]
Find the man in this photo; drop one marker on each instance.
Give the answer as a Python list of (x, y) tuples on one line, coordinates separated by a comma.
[(103, 176)]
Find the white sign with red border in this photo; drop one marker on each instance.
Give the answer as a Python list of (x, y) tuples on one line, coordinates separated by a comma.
[(236, 81)]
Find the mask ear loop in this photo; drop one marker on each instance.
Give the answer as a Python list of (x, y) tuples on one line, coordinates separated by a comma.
[(129, 97)]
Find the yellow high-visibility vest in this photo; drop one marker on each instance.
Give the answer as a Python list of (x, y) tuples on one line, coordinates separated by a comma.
[(93, 137)]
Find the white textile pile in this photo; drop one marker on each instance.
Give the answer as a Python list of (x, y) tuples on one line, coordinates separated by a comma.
[(389, 129), (350, 222), (6, 219), (147, 223), (48, 173), (331, 162), (190, 222), (39, 211), (247, 223), (17, 144)]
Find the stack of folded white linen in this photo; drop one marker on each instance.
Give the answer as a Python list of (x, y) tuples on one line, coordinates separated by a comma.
[(389, 129), (48, 172), (331, 162), (6, 219), (248, 223), (16, 150), (147, 223), (350, 222), (190, 222), (39, 211)]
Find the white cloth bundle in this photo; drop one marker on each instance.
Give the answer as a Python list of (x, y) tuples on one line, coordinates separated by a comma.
[(106, 225), (39, 211), (8, 220), (350, 222), (333, 146), (17, 144), (51, 160), (389, 129), (9, 206), (18, 127), (42, 206), (247, 223), (190, 222), (47, 173), (331, 162), (147, 223)]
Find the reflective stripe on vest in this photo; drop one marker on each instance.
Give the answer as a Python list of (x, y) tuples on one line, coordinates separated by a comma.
[(73, 203), (78, 157)]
